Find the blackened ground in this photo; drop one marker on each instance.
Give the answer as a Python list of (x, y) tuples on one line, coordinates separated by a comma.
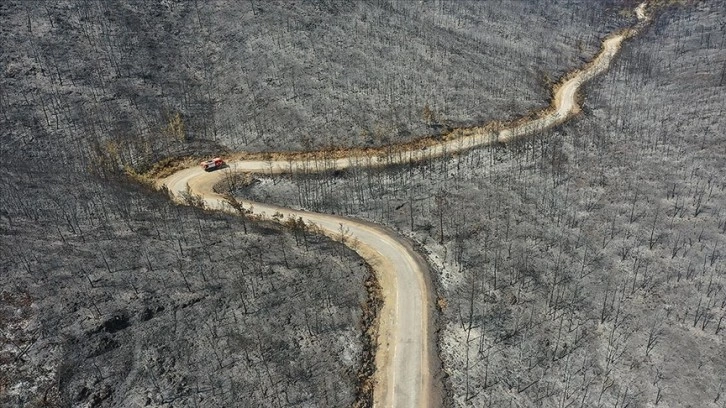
[(112, 296)]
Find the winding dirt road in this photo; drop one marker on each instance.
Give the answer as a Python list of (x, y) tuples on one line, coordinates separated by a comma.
[(406, 358), (408, 370)]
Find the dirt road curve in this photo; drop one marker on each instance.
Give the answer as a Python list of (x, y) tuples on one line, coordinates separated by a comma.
[(405, 357), (407, 365)]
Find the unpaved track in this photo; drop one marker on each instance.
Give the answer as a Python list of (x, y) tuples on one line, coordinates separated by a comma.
[(408, 370), (406, 358)]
